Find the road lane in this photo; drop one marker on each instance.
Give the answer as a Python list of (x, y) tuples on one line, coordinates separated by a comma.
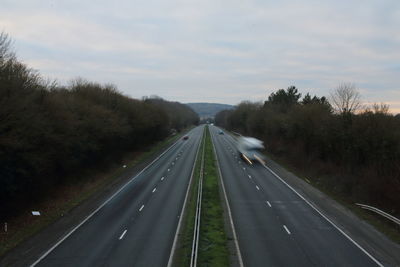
[(137, 226), (275, 226)]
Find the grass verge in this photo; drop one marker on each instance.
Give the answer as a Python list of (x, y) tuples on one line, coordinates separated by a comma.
[(67, 197), (184, 249), (213, 247)]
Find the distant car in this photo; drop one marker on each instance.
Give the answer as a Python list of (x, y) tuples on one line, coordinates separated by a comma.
[(186, 137), (220, 132)]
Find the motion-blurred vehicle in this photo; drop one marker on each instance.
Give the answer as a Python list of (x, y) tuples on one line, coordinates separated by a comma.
[(250, 148), (186, 137)]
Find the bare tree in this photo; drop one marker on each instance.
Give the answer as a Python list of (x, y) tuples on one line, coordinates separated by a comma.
[(377, 108), (381, 108), (345, 98), (5, 47)]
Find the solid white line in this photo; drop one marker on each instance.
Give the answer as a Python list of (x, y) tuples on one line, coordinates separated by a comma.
[(123, 234), (171, 255), (197, 226), (287, 230), (238, 253), (325, 217), (269, 204), (141, 208), (154, 190), (162, 178), (257, 187), (101, 206)]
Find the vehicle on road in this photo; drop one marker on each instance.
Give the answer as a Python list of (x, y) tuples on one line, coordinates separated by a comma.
[(220, 132), (186, 137), (249, 149)]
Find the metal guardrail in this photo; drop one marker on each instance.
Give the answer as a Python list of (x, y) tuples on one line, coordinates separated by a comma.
[(236, 133), (382, 213), (197, 220)]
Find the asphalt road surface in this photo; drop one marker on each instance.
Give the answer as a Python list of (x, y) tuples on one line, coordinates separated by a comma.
[(274, 225), (137, 226)]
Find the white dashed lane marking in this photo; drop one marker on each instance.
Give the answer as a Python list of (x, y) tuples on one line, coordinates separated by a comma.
[(287, 230), (123, 234)]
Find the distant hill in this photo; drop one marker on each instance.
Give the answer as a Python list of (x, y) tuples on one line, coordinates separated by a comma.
[(208, 110)]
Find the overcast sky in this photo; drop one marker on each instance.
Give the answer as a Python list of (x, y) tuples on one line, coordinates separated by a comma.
[(221, 51)]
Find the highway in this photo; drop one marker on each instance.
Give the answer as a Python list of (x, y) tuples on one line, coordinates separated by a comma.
[(274, 225), (137, 226)]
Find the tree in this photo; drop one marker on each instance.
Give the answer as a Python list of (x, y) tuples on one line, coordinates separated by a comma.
[(221, 118), (6, 52), (346, 99), (284, 99), (48, 133)]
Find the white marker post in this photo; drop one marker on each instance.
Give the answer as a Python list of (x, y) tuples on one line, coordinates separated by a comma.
[(36, 213)]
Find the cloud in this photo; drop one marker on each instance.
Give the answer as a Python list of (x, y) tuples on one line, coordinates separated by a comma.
[(208, 50)]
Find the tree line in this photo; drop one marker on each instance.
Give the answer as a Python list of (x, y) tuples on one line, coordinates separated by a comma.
[(350, 149), (50, 132)]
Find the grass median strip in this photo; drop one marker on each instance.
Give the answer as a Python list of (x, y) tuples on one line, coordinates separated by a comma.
[(213, 248), (184, 250), (213, 243)]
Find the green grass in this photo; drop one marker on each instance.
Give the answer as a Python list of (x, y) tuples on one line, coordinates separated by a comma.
[(68, 197), (213, 248), (184, 249)]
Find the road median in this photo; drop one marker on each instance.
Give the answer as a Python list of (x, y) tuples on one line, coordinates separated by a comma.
[(212, 246)]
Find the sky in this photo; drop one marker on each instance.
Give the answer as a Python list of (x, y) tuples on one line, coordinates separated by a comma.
[(221, 51)]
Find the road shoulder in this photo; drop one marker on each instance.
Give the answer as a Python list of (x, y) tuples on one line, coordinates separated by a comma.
[(373, 241), (33, 247)]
